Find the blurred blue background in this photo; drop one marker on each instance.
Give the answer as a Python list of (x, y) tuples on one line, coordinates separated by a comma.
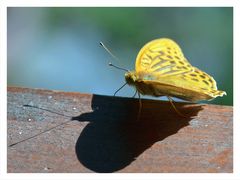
[(58, 48)]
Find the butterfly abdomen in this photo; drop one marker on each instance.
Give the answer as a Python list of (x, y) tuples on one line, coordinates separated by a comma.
[(158, 89), (147, 89)]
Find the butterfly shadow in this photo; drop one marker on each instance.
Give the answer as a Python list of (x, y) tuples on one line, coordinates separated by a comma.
[(115, 137)]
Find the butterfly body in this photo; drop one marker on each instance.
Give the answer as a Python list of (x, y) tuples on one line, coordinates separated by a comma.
[(162, 70), (157, 89)]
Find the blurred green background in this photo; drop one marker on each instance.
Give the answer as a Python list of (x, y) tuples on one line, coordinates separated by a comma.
[(58, 48)]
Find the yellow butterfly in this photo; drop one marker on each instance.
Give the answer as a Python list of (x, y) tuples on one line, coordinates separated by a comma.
[(162, 70)]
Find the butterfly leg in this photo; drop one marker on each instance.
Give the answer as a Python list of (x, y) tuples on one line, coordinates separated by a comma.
[(135, 93), (140, 106), (119, 89), (174, 107)]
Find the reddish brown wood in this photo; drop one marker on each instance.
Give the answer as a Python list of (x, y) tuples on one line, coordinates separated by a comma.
[(105, 136)]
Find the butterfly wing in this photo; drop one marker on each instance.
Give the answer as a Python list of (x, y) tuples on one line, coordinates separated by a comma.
[(162, 66), (162, 57)]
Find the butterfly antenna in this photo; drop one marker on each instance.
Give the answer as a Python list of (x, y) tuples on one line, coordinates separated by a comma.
[(110, 64), (114, 57), (174, 107), (101, 43)]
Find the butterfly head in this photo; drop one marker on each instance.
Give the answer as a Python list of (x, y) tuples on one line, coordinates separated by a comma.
[(130, 77)]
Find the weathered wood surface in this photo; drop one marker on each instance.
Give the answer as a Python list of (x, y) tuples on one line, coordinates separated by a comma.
[(104, 135)]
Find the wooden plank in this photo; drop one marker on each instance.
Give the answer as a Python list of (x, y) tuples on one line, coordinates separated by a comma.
[(102, 134)]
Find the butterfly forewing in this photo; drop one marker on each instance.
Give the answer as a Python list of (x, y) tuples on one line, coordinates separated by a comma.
[(162, 57)]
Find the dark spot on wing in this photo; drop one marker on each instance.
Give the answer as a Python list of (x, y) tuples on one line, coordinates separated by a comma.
[(178, 67), (206, 82), (193, 75), (203, 76), (177, 57), (161, 53), (194, 79), (169, 56), (197, 71)]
